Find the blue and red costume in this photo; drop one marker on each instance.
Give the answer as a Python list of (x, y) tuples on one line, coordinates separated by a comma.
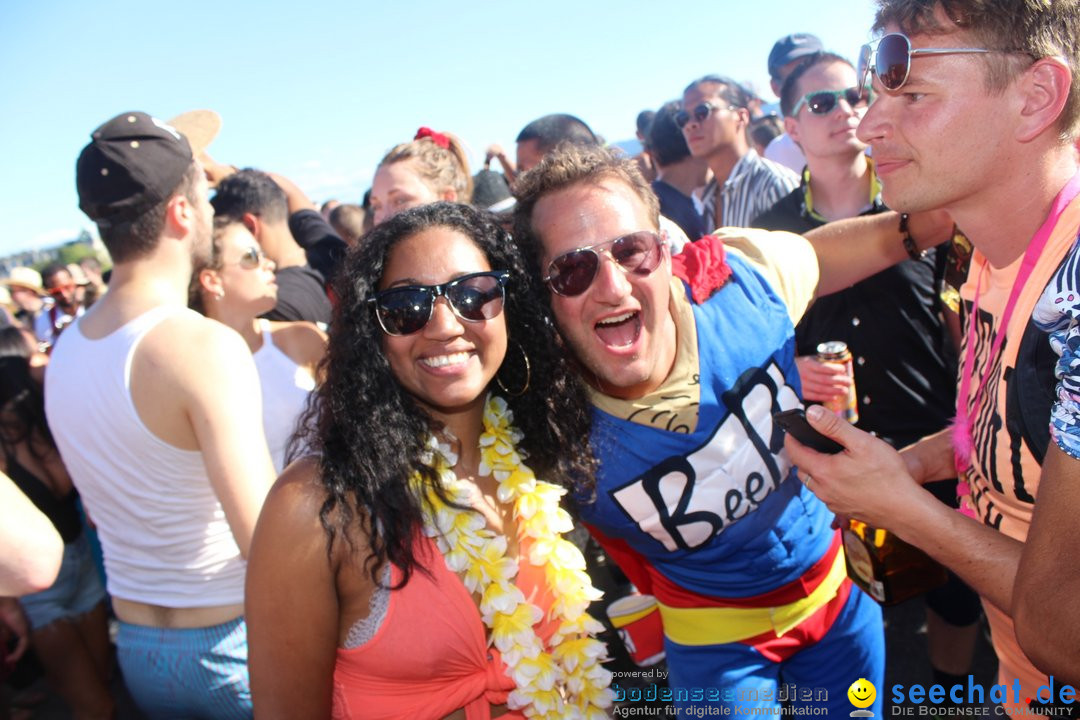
[(713, 521)]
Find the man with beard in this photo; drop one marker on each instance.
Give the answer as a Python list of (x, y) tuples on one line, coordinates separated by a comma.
[(67, 303), (156, 412)]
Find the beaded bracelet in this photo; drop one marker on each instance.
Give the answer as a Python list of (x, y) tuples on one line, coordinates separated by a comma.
[(910, 247)]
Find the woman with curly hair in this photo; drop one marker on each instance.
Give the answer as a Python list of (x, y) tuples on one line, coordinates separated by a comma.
[(411, 567), (431, 168)]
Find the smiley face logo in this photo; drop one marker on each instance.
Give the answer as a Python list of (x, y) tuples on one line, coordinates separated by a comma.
[(862, 693)]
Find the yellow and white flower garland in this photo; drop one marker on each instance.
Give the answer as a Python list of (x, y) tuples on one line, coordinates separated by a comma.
[(564, 680)]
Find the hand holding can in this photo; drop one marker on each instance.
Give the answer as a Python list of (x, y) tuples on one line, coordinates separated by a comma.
[(846, 405)]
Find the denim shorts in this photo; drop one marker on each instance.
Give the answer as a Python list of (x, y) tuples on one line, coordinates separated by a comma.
[(77, 589), (175, 673)]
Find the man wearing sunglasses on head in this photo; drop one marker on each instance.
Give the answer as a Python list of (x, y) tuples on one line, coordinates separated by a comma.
[(976, 111), (688, 358), (893, 323), (713, 119)]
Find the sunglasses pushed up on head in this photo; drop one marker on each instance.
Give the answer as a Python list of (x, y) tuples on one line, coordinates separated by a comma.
[(473, 298), (572, 272), (889, 58)]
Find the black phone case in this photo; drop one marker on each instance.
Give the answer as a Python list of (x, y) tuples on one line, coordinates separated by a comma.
[(794, 422)]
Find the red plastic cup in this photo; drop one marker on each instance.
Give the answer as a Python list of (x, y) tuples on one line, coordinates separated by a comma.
[(637, 619)]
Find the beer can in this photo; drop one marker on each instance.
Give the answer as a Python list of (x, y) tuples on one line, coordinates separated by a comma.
[(845, 406)]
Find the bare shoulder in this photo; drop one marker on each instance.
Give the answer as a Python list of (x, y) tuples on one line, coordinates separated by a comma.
[(303, 342), (291, 518), (298, 495), (299, 489), (191, 363), (289, 530), (193, 340)]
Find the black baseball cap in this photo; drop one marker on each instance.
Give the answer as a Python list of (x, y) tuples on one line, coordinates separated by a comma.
[(133, 162), (792, 47)]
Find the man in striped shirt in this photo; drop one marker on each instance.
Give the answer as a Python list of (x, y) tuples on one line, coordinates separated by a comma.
[(714, 120)]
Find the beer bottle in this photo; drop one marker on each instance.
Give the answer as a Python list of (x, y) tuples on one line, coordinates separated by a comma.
[(887, 568)]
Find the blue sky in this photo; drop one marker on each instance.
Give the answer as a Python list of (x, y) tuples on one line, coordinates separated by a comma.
[(319, 91)]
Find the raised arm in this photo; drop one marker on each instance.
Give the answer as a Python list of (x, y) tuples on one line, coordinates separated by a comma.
[(495, 152), (291, 602), (297, 198), (854, 249), (322, 245)]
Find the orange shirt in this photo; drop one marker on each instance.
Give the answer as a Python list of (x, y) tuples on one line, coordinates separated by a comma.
[(1004, 475), (430, 655)]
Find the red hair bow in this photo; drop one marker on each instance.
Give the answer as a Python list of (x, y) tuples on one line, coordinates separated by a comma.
[(436, 137)]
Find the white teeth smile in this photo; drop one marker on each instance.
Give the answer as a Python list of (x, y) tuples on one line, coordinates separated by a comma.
[(444, 360), (617, 319)]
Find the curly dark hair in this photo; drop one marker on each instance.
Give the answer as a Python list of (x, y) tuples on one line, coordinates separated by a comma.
[(23, 398), (564, 167), (369, 433)]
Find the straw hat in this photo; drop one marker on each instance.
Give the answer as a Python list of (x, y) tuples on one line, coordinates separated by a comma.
[(24, 277)]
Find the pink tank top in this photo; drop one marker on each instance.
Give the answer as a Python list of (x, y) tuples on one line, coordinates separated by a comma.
[(430, 655)]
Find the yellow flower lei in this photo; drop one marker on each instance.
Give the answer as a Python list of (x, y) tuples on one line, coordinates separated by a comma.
[(564, 680)]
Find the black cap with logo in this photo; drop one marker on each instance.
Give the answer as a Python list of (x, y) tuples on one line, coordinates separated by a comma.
[(132, 163)]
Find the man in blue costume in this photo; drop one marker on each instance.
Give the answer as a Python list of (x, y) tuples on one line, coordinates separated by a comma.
[(687, 359)]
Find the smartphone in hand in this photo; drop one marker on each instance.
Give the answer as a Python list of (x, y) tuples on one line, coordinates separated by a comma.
[(794, 423)]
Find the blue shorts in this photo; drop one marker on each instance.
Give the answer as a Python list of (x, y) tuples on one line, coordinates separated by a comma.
[(77, 589), (187, 672)]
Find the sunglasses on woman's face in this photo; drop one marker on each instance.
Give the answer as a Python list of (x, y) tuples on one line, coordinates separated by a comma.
[(572, 273), (251, 258), (823, 102), (889, 58), (473, 298)]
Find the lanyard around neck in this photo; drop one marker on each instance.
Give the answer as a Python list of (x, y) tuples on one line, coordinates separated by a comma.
[(964, 418)]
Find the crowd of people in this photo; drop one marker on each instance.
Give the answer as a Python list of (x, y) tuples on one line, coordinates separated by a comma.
[(339, 459)]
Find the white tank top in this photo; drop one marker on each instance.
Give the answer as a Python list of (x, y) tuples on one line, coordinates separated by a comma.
[(163, 532), (285, 390)]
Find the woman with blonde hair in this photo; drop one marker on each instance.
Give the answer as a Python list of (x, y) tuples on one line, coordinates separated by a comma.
[(431, 168)]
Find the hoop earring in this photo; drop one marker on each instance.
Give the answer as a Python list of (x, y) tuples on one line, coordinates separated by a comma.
[(528, 375)]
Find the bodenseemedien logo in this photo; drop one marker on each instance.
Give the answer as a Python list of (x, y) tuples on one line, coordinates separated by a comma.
[(862, 694)]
